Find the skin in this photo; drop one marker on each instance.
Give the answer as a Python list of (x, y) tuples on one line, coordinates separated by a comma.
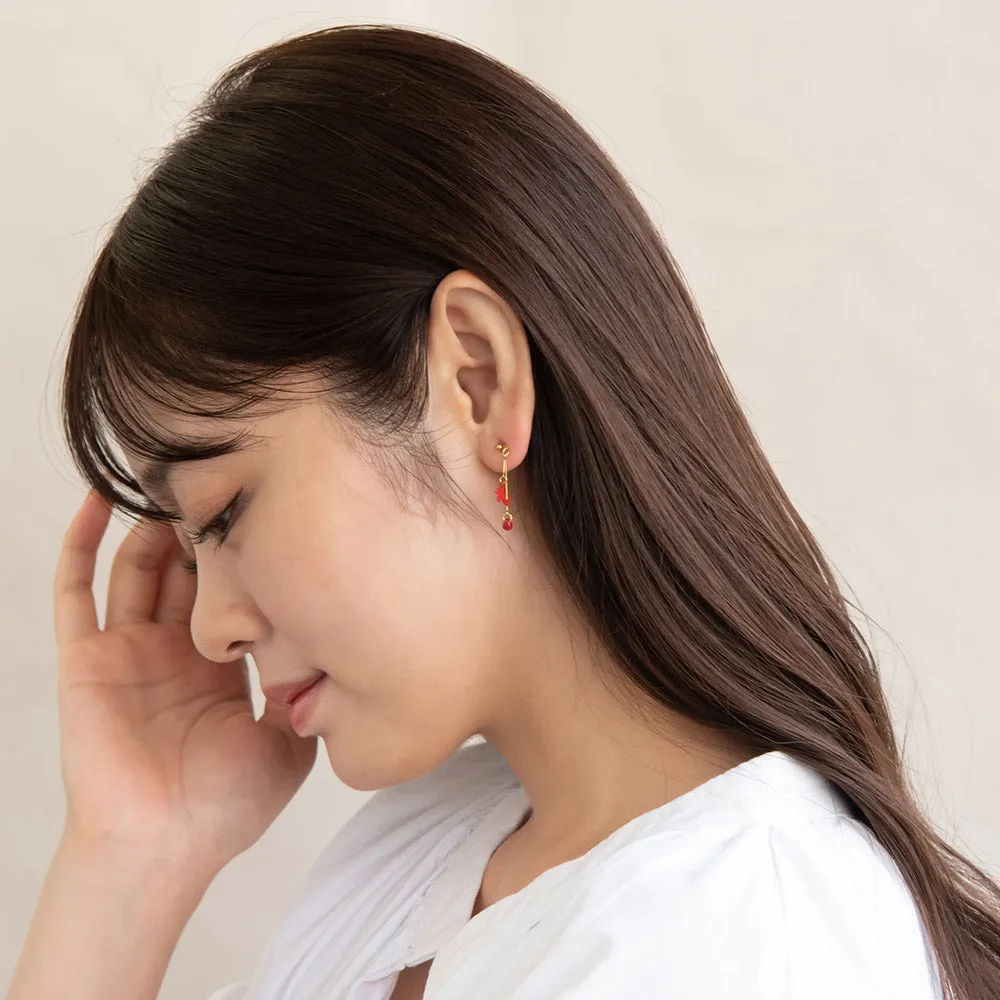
[(431, 627)]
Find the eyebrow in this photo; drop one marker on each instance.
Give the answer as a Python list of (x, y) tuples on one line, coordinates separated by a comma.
[(155, 480)]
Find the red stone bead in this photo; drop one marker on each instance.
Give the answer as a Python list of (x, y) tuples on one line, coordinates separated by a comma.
[(507, 525)]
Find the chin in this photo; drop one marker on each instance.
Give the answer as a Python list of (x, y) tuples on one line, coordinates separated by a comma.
[(370, 772)]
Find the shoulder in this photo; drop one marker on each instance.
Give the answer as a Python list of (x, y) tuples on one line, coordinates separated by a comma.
[(790, 907)]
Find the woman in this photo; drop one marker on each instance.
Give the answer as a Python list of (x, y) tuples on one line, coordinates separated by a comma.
[(400, 368)]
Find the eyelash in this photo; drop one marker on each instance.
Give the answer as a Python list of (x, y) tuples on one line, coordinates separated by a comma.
[(215, 528)]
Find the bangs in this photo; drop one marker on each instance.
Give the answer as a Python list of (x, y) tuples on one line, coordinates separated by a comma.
[(135, 358)]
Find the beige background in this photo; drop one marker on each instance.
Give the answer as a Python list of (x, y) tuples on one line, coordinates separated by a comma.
[(828, 176)]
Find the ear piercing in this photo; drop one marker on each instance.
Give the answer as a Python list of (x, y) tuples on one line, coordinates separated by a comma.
[(501, 491)]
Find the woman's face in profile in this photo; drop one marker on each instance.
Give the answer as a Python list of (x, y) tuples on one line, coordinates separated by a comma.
[(323, 567)]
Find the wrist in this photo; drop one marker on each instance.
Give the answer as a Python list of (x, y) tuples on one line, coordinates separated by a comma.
[(129, 866), (107, 921)]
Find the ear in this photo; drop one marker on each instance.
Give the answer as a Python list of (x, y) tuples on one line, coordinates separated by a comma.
[(479, 369)]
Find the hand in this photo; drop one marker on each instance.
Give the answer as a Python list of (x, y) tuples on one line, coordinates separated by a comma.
[(160, 752)]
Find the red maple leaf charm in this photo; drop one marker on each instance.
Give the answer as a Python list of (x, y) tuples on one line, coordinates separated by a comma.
[(501, 492)]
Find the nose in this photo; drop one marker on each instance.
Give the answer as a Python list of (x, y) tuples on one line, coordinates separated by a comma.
[(225, 624)]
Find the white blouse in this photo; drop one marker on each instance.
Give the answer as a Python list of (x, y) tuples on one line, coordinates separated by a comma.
[(756, 885)]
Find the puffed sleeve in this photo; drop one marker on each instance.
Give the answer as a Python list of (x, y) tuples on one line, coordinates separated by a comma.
[(849, 925)]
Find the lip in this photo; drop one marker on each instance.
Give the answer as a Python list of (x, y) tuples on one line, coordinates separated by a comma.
[(285, 694), (302, 707)]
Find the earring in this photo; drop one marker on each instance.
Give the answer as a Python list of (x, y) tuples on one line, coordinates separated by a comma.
[(501, 491)]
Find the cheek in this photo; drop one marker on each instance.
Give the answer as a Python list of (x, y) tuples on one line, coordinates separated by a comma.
[(404, 617), (400, 615)]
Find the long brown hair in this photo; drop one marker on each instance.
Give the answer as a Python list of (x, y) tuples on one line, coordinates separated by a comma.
[(302, 218)]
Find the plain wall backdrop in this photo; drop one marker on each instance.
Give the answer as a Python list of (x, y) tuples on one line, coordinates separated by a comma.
[(828, 177)]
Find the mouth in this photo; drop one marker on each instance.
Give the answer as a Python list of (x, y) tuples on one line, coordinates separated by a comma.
[(286, 694)]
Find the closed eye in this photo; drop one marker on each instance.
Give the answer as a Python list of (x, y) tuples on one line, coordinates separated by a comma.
[(218, 527)]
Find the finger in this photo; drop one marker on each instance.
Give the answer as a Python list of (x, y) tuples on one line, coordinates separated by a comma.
[(135, 573), (75, 613), (177, 591)]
